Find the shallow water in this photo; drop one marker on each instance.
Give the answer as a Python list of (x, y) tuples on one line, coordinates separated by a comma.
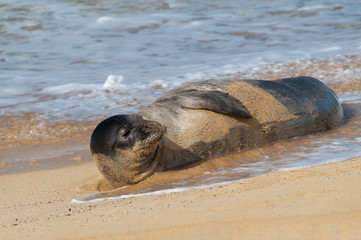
[(63, 63), (85, 59)]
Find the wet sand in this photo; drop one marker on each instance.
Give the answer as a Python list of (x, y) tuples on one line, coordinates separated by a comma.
[(45, 164), (30, 141)]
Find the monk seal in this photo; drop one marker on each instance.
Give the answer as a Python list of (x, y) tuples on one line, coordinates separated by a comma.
[(209, 118)]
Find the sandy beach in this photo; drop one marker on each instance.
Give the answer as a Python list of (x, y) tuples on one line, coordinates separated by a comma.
[(321, 202), (67, 65), (46, 165)]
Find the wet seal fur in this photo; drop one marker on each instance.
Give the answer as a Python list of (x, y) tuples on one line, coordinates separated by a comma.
[(209, 118)]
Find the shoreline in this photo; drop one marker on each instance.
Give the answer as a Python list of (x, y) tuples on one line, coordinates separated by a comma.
[(54, 162), (319, 202)]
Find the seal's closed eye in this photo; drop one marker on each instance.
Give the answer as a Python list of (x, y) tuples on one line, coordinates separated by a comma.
[(215, 101), (124, 133)]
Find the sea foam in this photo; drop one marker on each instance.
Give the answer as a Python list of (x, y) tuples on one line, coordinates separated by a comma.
[(114, 83)]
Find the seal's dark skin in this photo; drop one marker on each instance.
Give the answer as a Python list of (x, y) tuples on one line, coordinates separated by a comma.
[(209, 118)]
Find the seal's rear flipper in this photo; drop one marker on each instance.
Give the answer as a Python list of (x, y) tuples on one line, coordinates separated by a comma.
[(216, 101)]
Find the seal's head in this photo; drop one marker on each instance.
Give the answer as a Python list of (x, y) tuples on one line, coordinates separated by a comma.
[(125, 148)]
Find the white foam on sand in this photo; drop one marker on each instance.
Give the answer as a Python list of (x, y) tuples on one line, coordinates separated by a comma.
[(159, 192)]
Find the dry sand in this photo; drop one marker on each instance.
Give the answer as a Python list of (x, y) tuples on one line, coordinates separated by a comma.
[(315, 203)]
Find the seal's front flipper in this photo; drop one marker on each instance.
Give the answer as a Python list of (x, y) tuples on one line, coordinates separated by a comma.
[(216, 101)]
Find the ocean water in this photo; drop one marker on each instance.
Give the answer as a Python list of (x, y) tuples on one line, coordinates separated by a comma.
[(64, 62), (81, 60)]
